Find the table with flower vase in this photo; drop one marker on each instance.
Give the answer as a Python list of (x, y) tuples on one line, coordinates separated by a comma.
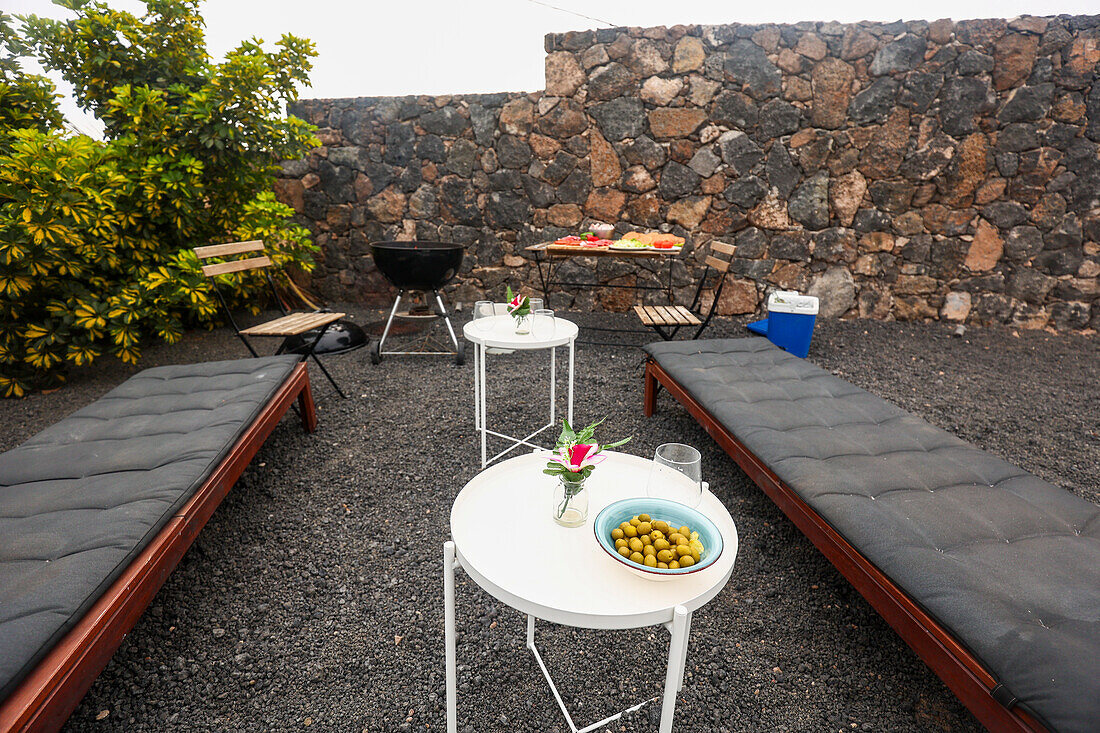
[(571, 581), (501, 334)]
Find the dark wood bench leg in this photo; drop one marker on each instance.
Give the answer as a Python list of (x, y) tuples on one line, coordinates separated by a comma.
[(649, 401), (306, 407)]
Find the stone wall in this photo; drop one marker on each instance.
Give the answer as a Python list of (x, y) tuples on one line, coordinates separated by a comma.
[(908, 170)]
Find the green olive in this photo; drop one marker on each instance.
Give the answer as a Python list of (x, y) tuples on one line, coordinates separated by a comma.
[(617, 533), (673, 565), (687, 561), (664, 555), (682, 550), (624, 551), (657, 535), (661, 544), (683, 542), (662, 565), (630, 531), (660, 524), (643, 517), (649, 551), (637, 557), (620, 543), (675, 538), (695, 555), (635, 521), (685, 531), (644, 528), (646, 539), (650, 561), (635, 544)]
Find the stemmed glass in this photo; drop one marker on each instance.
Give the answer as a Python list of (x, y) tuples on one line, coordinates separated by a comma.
[(542, 324), (483, 311), (676, 474)]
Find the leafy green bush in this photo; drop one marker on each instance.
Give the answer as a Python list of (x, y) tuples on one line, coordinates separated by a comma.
[(96, 236)]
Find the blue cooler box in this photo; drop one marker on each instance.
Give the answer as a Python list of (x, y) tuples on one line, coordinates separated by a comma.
[(790, 321)]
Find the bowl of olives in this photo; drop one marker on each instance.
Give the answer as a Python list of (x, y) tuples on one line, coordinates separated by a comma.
[(657, 539)]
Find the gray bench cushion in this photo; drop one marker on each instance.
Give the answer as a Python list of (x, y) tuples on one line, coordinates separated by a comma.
[(1008, 563), (81, 499)]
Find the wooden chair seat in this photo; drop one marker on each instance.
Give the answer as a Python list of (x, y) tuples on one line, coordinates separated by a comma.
[(293, 324), (666, 315), (667, 320)]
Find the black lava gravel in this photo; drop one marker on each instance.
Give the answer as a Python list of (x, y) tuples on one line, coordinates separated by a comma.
[(314, 597)]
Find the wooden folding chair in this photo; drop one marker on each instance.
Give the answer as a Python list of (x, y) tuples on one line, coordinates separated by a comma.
[(287, 325), (667, 320)]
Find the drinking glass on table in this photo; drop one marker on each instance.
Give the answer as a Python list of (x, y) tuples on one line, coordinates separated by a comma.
[(483, 311), (536, 304), (676, 474), (542, 324)]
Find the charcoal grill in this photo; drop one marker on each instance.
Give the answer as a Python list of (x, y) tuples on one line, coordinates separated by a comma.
[(422, 267)]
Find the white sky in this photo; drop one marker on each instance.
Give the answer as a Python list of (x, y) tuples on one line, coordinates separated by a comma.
[(369, 48)]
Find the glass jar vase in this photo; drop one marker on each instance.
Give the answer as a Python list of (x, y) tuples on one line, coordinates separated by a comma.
[(523, 324), (570, 502)]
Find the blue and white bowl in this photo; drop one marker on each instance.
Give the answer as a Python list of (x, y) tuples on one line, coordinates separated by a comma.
[(670, 511)]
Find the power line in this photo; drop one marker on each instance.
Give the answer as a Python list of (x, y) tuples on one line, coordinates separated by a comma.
[(570, 12)]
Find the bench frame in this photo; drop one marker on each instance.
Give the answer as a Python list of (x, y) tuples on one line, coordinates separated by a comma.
[(958, 669), (46, 698)]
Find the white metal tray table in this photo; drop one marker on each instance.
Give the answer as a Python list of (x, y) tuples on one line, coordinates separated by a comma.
[(509, 505), (500, 332)]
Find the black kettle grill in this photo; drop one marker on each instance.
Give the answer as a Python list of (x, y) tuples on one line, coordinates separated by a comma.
[(421, 267)]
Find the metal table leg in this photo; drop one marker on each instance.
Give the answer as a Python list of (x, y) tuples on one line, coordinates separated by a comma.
[(449, 634), (553, 381), (481, 407), (571, 382), (477, 388), (674, 675)]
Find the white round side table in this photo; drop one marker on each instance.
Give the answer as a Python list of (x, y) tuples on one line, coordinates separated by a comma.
[(500, 332), (509, 506)]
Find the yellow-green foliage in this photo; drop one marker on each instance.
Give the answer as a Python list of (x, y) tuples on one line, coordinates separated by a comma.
[(96, 236)]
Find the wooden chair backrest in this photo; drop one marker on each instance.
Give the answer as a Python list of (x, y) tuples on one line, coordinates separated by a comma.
[(232, 248), (720, 263)]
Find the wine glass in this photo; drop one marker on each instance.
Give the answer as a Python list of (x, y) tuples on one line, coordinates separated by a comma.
[(482, 313), (542, 324), (676, 474)]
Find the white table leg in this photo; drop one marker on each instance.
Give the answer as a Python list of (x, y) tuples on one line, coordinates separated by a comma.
[(484, 437), (449, 633), (553, 381), (571, 382), (477, 388), (676, 649), (683, 657)]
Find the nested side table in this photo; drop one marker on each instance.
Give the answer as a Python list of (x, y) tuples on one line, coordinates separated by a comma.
[(501, 333), (577, 584)]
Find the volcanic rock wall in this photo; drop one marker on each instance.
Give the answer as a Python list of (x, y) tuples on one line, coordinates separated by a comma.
[(905, 170)]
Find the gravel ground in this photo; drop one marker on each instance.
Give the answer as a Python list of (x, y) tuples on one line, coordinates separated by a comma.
[(313, 598)]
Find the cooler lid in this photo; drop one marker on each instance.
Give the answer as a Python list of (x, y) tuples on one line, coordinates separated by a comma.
[(788, 301)]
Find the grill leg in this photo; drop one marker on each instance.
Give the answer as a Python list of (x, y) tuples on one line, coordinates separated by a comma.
[(389, 321), (446, 318)]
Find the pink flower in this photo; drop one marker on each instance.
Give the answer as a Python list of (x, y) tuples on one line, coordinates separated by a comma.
[(578, 457)]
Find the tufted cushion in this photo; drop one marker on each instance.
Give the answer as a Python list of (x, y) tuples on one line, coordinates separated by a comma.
[(81, 499), (1008, 563)]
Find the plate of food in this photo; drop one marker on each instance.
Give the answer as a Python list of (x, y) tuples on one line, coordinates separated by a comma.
[(657, 539), (588, 239), (629, 244), (648, 241)]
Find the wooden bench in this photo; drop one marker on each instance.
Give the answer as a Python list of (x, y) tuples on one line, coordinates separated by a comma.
[(989, 573), (58, 669)]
